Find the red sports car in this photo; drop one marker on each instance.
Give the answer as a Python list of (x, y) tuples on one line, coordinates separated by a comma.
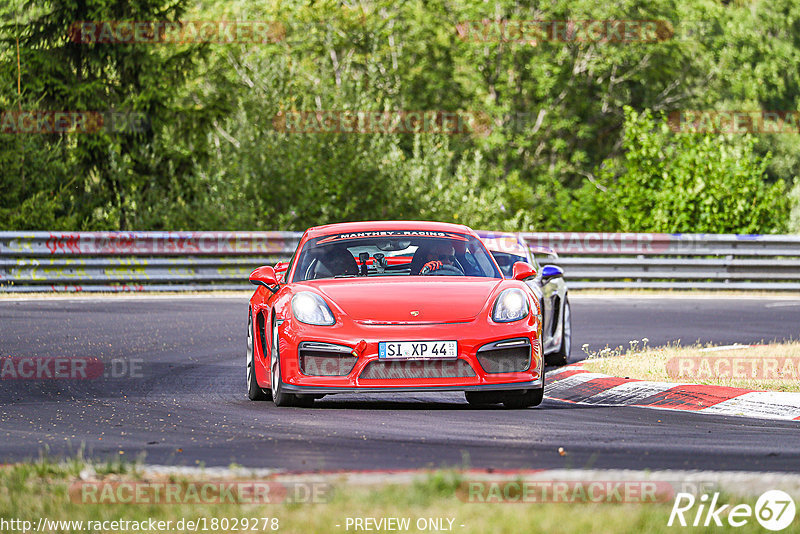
[(393, 307)]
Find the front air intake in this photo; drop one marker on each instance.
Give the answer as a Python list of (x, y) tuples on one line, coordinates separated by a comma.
[(507, 356), (325, 359)]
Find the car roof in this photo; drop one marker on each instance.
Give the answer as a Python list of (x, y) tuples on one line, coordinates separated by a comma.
[(509, 241), (367, 226), (504, 242), (541, 249)]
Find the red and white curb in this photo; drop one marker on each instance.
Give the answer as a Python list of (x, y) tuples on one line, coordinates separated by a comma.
[(572, 383)]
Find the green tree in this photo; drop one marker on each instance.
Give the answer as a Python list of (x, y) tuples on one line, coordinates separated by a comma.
[(689, 182), (556, 158), (107, 179)]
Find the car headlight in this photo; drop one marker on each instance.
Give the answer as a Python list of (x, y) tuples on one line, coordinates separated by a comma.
[(511, 305), (309, 308)]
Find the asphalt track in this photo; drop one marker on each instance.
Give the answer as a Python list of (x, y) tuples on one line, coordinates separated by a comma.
[(184, 401)]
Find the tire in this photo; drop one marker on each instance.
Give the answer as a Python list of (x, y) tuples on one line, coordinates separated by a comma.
[(530, 397), (482, 398), (280, 397), (254, 391), (561, 356)]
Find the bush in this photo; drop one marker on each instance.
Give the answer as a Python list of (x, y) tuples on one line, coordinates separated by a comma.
[(687, 182)]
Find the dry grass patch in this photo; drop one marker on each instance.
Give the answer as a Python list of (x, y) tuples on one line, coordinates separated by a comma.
[(772, 367)]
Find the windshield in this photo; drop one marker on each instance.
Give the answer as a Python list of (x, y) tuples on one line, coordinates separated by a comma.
[(394, 253)]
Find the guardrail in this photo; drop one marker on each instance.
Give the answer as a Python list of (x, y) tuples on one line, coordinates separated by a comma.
[(197, 261), (675, 261), (137, 261)]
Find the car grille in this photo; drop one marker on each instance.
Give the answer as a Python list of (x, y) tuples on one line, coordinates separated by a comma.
[(325, 359), (411, 369), (507, 356)]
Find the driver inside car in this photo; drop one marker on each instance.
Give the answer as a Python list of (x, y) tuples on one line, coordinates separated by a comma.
[(435, 256)]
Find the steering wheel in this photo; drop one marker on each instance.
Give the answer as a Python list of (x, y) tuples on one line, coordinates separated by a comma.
[(442, 270)]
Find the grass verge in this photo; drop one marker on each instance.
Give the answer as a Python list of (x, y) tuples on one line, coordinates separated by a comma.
[(771, 367), (433, 502)]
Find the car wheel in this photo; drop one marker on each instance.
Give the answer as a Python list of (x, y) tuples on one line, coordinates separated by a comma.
[(561, 357), (482, 398), (528, 398), (254, 391), (279, 396)]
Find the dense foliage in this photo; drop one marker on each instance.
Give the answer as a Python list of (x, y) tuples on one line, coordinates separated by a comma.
[(564, 134)]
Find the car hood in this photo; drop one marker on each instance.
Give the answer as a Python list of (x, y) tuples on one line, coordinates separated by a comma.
[(392, 300)]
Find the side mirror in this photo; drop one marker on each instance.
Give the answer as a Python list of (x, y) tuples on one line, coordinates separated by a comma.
[(265, 276), (551, 271), (522, 270)]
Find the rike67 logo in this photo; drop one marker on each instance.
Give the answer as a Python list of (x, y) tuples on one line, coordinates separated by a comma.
[(774, 510)]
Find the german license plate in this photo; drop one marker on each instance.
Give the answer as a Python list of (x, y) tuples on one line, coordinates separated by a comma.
[(422, 350)]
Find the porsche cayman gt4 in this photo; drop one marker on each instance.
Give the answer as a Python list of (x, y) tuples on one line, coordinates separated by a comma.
[(394, 307)]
